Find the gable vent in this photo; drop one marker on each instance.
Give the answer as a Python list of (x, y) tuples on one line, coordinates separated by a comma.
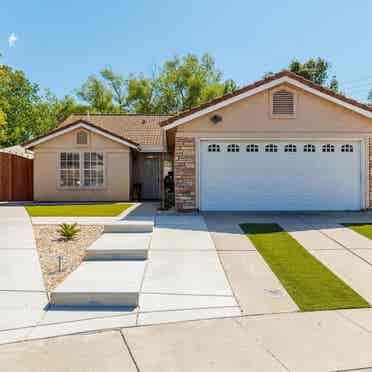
[(82, 138), (283, 103)]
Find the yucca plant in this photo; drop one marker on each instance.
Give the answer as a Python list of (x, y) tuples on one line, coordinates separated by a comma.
[(68, 231)]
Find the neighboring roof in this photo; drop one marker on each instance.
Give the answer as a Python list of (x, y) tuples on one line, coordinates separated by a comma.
[(18, 150), (142, 129), (267, 83), (80, 124)]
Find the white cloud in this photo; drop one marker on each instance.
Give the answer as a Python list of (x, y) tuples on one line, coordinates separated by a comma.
[(12, 39)]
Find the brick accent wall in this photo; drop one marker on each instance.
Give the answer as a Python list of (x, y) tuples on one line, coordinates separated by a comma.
[(184, 173)]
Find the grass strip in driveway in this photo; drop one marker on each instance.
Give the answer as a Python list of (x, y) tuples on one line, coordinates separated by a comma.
[(310, 284), (78, 210), (364, 229)]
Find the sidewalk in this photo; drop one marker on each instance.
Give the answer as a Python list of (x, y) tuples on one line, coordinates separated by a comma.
[(22, 292), (303, 342)]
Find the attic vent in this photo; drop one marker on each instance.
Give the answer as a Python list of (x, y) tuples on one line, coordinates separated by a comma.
[(82, 138), (283, 103)]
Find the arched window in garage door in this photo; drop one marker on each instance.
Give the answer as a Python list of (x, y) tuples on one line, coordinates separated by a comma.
[(347, 148), (233, 147), (271, 148)]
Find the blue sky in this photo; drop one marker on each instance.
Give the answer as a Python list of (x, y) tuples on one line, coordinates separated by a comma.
[(59, 43)]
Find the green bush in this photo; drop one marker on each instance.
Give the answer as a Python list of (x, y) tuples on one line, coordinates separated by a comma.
[(68, 231)]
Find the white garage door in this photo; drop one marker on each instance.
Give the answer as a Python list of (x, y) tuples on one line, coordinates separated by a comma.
[(291, 175)]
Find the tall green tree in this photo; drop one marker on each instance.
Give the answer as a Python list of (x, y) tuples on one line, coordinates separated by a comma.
[(117, 85), (370, 98), (142, 96), (25, 112), (185, 82), (17, 99), (50, 111), (316, 70), (179, 84), (97, 95)]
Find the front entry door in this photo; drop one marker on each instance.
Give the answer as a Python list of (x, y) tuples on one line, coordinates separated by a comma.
[(151, 178)]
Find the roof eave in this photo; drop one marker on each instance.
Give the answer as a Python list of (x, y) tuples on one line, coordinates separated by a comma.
[(280, 78), (80, 124)]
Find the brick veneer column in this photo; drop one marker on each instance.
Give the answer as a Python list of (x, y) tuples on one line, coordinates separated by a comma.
[(184, 173)]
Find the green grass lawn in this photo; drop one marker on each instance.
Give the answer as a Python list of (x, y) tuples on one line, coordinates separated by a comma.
[(78, 210), (310, 284), (364, 229)]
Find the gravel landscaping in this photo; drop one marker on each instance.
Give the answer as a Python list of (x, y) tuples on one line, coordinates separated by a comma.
[(50, 246)]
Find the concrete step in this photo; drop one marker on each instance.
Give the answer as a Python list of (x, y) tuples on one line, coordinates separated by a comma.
[(129, 227), (99, 284), (120, 246)]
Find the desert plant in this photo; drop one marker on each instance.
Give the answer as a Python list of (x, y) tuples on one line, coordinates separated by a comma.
[(68, 231)]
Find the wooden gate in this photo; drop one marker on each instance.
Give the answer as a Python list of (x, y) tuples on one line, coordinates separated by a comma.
[(16, 178)]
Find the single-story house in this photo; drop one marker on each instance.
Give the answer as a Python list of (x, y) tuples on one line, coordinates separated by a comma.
[(282, 143)]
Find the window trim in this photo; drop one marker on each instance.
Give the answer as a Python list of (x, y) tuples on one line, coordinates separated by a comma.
[(81, 169), (271, 103)]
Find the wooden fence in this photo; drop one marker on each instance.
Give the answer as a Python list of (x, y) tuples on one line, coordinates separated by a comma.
[(16, 178)]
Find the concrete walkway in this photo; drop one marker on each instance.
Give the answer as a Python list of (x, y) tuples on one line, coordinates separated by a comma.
[(22, 292), (183, 279)]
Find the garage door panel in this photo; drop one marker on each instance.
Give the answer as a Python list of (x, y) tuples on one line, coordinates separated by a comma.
[(280, 180)]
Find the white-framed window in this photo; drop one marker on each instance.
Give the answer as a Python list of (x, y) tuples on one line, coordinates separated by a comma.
[(233, 147), (252, 147), (81, 169), (271, 148), (328, 148), (309, 148), (69, 169), (93, 169), (82, 138), (214, 148), (290, 148), (282, 103), (347, 148)]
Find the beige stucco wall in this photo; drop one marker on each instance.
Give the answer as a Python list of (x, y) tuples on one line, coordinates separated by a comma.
[(117, 159), (250, 118)]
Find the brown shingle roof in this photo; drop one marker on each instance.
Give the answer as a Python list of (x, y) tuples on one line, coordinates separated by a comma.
[(142, 129), (262, 82)]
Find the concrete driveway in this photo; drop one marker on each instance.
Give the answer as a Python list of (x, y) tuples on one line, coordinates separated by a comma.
[(345, 252), (257, 289)]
